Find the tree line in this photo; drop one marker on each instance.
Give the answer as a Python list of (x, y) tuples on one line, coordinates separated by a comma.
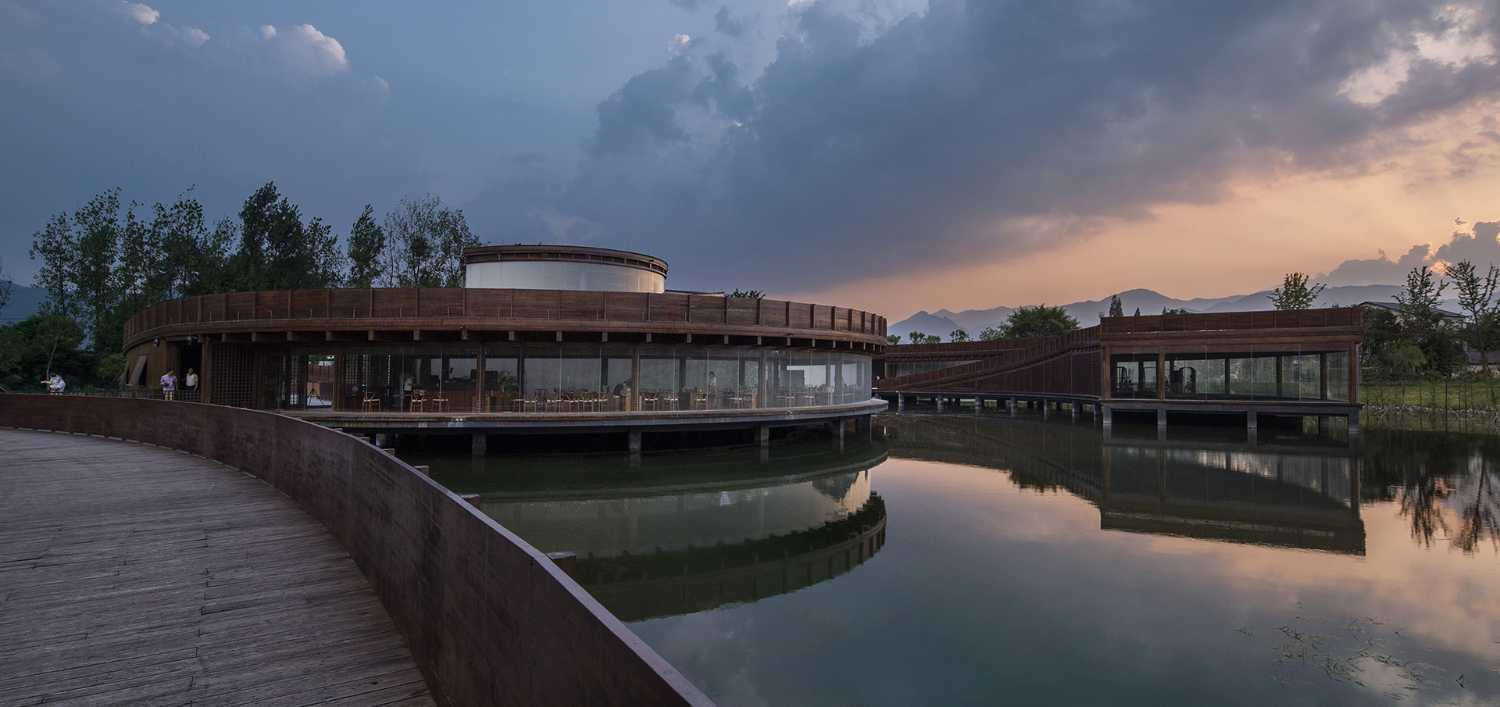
[(108, 259)]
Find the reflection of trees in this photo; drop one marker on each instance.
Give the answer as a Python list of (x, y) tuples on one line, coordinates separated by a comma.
[(1480, 517), (1419, 499), (1443, 484)]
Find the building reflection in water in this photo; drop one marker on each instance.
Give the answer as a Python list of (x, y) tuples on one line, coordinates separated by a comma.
[(686, 533), (1301, 496)]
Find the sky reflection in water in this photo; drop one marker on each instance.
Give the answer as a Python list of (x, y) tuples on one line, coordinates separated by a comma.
[(1030, 562)]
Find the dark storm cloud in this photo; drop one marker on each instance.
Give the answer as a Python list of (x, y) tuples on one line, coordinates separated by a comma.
[(985, 128)]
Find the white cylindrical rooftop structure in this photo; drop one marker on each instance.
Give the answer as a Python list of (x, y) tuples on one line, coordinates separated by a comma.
[(563, 267)]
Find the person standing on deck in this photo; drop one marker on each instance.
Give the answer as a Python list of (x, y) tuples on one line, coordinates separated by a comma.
[(169, 385), (191, 382)]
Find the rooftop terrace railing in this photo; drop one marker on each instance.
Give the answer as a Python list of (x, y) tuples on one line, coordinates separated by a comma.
[(488, 618), (372, 306)]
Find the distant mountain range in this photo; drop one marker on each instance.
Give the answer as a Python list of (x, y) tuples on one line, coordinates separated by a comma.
[(1087, 312), (24, 302)]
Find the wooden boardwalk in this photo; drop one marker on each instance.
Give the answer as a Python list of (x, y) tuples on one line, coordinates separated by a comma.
[(131, 573)]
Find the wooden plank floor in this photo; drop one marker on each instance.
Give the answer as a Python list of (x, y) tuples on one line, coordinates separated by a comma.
[(130, 573)]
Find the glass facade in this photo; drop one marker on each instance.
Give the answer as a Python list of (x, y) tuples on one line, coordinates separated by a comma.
[(569, 377), (1273, 375)]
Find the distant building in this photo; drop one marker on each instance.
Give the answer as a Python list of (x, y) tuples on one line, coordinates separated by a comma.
[(1392, 307)]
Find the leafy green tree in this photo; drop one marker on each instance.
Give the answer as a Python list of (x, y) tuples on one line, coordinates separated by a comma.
[(1137, 312), (916, 337), (1296, 292), (278, 251), (425, 244), (39, 345), (1405, 358), (748, 294), (958, 335), (932, 339), (1174, 310), (99, 233), (366, 248), (1476, 296), (893, 339), (57, 248), (1039, 320), (1116, 308), (1421, 322), (992, 333)]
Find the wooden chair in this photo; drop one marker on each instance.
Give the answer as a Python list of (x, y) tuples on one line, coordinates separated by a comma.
[(418, 402), (439, 402), (370, 403)]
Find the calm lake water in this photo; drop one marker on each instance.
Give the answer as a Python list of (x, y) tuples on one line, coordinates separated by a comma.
[(973, 560)]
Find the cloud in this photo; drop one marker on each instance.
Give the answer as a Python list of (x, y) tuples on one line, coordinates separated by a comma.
[(1479, 245), (728, 24), (981, 130), (305, 50), (141, 13)]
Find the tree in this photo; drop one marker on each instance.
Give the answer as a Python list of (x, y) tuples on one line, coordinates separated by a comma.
[(98, 235), (425, 244), (1137, 311), (1116, 309), (39, 345), (366, 248), (958, 335), (1476, 296), (277, 251), (5, 288), (992, 333), (1174, 310), (1039, 320), (57, 248), (893, 339), (1296, 292), (1421, 322), (916, 337), (748, 294)]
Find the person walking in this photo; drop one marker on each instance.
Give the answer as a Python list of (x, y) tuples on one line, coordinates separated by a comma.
[(169, 385), (191, 382)]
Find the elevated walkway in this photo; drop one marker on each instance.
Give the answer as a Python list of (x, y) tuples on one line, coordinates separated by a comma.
[(132, 573)]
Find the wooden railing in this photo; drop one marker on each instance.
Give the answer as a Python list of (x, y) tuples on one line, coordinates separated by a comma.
[(498, 305)]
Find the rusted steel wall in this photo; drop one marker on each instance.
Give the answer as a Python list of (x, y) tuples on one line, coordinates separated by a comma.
[(1065, 365), (499, 308), (488, 618)]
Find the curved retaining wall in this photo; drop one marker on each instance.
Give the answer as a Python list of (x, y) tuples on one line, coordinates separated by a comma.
[(488, 618)]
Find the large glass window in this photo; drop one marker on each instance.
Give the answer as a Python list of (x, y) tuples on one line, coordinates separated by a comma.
[(1301, 377), (502, 378), (723, 389), (582, 378), (1338, 375), (659, 372), (1195, 377), (619, 370), (1252, 376), (460, 382), (541, 377), (1133, 375)]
